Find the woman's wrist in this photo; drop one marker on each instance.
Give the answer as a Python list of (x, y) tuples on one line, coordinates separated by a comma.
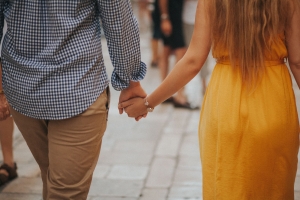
[(151, 101), (147, 104)]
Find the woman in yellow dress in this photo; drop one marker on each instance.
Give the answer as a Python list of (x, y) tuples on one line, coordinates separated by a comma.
[(249, 129)]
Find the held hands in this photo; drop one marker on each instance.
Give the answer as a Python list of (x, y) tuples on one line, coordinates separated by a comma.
[(134, 90), (134, 107), (4, 108)]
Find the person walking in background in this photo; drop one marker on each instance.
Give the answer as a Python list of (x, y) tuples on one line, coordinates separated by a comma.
[(8, 170), (173, 40), (56, 85), (156, 34), (249, 129)]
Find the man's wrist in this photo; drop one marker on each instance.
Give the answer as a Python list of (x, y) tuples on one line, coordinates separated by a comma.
[(133, 84), (1, 91)]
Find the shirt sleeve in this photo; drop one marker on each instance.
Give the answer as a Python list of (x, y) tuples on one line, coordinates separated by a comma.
[(123, 41)]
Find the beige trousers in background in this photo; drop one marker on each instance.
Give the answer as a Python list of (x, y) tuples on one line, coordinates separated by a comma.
[(67, 150)]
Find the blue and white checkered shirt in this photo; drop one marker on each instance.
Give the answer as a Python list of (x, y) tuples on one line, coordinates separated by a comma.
[(52, 59)]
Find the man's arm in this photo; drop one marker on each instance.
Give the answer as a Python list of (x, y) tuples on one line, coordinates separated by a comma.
[(166, 26), (123, 39)]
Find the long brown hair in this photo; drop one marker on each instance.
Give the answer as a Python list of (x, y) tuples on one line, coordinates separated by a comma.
[(247, 29)]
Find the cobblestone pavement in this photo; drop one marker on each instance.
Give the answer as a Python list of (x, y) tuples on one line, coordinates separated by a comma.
[(154, 159)]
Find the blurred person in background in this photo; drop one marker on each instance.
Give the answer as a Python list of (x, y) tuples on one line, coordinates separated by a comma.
[(156, 34), (170, 12), (8, 170), (249, 127)]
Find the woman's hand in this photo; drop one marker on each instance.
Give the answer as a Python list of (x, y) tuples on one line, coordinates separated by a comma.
[(135, 108)]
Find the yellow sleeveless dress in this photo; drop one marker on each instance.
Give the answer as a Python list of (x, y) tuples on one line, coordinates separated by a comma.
[(249, 142)]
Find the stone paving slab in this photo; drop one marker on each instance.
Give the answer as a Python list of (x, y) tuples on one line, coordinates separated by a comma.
[(187, 178), (190, 146), (161, 173), (297, 195), (110, 198), (101, 171), (149, 198), (185, 192), (189, 163), (168, 145), (125, 158), (8, 196), (115, 188), (185, 198), (144, 146), (154, 193), (128, 172), (23, 156), (297, 183), (28, 170), (24, 185)]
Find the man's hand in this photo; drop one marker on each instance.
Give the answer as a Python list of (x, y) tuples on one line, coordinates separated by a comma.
[(135, 108), (166, 27), (4, 108), (134, 90)]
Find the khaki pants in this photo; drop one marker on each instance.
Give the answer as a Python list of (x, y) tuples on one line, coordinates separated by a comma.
[(67, 150)]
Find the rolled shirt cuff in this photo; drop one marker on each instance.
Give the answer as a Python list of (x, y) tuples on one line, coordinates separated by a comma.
[(124, 82)]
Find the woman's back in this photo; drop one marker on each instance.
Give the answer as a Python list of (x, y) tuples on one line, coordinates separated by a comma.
[(278, 51), (249, 139), (250, 34)]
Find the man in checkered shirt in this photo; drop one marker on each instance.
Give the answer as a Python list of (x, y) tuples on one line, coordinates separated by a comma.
[(55, 82)]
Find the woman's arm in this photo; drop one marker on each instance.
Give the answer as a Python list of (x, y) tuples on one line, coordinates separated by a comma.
[(184, 70), (293, 42)]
